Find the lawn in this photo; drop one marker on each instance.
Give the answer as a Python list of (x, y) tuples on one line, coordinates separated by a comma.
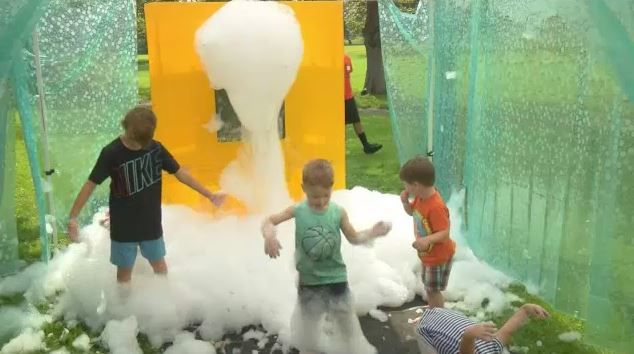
[(378, 172)]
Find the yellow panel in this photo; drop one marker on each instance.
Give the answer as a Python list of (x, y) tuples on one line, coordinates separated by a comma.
[(184, 102)]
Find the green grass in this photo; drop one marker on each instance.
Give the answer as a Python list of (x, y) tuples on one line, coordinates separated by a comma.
[(26, 211), (547, 332), (378, 171), (375, 172), (143, 77)]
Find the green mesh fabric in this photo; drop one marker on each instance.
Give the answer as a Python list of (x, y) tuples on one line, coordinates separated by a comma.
[(8, 233), (403, 39), (17, 20), (27, 111), (88, 55), (88, 66), (533, 114)]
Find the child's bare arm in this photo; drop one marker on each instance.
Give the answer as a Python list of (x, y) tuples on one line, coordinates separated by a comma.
[(519, 319), (272, 246), (80, 201), (407, 206), (184, 177), (359, 237), (483, 331), (439, 236), (467, 344)]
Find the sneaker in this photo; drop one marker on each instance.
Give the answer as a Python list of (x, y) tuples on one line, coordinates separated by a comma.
[(372, 148)]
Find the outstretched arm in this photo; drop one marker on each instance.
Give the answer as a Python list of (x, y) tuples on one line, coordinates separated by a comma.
[(355, 237), (272, 246), (80, 201), (519, 319), (184, 177)]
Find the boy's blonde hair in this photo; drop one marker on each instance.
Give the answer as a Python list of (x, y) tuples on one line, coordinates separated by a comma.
[(419, 169), (140, 124), (318, 172)]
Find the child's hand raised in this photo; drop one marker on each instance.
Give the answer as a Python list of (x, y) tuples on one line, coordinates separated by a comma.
[(381, 228), (404, 197), (484, 331)]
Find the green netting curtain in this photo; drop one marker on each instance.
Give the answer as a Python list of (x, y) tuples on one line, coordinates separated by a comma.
[(17, 20), (88, 59), (87, 54), (532, 113)]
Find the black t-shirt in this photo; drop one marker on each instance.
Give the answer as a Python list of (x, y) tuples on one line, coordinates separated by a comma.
[(135, 188)]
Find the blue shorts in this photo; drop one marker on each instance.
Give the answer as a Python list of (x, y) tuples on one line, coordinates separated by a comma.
[(123, 254)]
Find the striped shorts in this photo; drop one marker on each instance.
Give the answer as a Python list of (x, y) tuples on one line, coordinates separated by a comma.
[(435, 278)]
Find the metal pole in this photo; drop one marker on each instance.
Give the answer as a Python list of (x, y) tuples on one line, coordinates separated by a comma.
[(44, 137), (432, 83)]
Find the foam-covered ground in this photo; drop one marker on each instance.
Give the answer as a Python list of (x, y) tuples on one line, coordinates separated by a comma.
[(220, 277)]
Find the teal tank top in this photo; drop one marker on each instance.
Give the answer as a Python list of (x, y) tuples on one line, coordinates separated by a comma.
[(318, 245)]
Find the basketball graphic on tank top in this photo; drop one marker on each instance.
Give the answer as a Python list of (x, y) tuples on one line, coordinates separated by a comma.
[(318, 243)]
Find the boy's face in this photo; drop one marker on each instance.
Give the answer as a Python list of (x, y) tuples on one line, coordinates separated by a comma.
[(317, 196)]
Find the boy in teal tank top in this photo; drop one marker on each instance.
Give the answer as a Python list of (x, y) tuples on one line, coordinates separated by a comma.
[(323, 280)]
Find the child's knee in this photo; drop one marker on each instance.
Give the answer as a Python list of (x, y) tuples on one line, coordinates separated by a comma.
[(159, 266)]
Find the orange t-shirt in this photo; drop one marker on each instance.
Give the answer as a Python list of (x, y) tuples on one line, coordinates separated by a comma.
[(347, 69), (430, 216)]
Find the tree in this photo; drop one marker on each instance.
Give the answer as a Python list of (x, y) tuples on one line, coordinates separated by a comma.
[(374, 74)]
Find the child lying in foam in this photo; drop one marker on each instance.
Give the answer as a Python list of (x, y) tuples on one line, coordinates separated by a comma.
[(445, 331)]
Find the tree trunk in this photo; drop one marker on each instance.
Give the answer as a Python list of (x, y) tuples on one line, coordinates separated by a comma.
[(374, 76)]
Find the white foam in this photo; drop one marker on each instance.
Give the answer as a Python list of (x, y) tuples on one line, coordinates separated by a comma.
[(186, 343), (220, 277), (120, 336), (253, 50), (82, 342), (28, 341), (570, 336), (378, 315)]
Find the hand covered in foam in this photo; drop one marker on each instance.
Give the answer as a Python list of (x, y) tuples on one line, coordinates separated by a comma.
[(272, 246), (381, 228)]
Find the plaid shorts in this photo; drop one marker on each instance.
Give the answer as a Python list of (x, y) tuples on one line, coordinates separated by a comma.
[(435, 278)]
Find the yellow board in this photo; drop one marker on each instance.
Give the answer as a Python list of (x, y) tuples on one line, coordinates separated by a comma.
[(184, 101)]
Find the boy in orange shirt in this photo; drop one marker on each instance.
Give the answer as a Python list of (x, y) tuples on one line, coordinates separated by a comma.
[(431, 226)]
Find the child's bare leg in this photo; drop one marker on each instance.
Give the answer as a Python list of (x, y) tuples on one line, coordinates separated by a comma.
[(159, 266), (305, 331), (435, 298), (124, 275), (348, 322)]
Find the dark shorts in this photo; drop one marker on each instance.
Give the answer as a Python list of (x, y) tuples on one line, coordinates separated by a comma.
[(326, 293), (435, 278), (352, 113)]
